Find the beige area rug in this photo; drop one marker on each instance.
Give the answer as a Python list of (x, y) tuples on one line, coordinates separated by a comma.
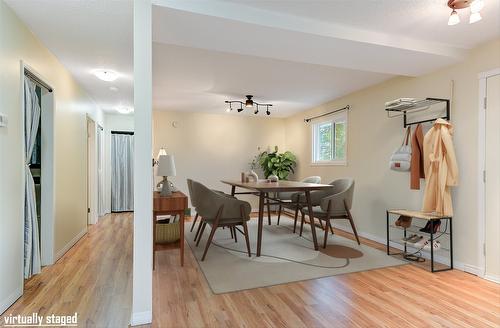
[(286, 257)]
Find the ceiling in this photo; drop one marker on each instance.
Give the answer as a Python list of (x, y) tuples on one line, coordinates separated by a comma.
[(294, 54)]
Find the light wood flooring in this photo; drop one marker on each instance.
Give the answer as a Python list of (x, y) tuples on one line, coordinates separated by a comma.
[(94, 278)]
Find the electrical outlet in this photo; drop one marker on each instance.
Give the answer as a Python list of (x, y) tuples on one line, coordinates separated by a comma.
[(3, 120)]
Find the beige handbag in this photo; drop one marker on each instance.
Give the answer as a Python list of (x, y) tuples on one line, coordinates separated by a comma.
[(401, 157)]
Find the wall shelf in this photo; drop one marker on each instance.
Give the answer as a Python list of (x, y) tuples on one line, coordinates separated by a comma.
[(418, 106)]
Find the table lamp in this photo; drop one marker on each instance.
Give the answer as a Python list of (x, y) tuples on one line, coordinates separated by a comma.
[(166, 168)]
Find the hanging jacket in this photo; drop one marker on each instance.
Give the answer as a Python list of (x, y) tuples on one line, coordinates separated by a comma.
[(417, 158), (441, 170)]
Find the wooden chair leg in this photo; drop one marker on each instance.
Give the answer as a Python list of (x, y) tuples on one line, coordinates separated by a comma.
[(279, 213), (247, 239), (235, 233), (201, 233), (209, 241), (194, 222), (268, 211), (302, 219), (331, 229), (295, 218), (231, 230), (349, 217), (327, 224), (199, 229)]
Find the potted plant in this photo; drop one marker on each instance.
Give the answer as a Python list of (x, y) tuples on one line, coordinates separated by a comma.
[(275, 163)]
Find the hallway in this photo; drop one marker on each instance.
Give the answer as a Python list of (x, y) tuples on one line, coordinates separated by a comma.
[(94, 278)]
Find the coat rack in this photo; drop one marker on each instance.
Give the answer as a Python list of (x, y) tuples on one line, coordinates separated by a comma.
[(419, 105)]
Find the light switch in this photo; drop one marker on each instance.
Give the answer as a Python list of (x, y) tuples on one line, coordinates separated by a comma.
[(3, 120)]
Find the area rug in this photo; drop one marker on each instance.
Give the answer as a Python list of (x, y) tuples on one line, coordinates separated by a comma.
[(285, 258)]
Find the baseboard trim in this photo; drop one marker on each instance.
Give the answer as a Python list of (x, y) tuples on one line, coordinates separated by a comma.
[(141, 318), (6, 303), (492, 278), (70, 244)]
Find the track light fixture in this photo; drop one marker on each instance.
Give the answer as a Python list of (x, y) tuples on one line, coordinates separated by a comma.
[(475, 8), (249, 103)]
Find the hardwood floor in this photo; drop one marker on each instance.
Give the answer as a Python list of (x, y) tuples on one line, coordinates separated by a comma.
[(94, 278)]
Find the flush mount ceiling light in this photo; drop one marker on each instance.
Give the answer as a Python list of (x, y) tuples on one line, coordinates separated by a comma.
[(475, 8), (105, 74), (249, 103), (124, 110)]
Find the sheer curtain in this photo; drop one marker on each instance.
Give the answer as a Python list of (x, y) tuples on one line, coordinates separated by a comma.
[(32, 264), (122, 172)]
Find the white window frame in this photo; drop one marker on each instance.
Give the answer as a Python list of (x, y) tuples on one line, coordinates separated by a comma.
[(337, 117)]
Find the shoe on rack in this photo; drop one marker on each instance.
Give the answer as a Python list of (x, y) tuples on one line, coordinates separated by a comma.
[(421, 243), (436, 245), (409, 238)]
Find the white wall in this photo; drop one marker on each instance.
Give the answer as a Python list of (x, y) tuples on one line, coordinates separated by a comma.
[(372, 137), (112, 122), (71, 106), (211, 147)]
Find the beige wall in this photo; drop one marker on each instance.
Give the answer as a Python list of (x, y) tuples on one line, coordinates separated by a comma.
[(71, 105), (373, 137), (210, 147)]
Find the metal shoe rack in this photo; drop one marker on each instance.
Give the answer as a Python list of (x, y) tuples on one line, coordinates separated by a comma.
[(392, 215)]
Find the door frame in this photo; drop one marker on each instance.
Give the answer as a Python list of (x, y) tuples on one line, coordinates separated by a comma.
[(47, 207), (92, 181), (481, 174)]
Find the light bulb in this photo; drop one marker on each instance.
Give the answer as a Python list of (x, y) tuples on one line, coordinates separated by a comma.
[(124, 110), (454, 19), (476, 6), (474, 17), (105, 75)]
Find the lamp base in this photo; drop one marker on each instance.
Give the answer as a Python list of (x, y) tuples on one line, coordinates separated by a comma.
[(165, 190)]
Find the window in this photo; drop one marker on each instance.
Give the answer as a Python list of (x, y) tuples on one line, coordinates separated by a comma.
[(330, 140)]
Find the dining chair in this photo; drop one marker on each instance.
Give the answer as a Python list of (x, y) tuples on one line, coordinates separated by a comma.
[(194, 204), (220, 210), (289, 199), (333, 204)]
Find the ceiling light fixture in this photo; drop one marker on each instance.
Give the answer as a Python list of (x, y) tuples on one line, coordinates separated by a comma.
[(454, 18), (124, 110), (475, 8), (105, 74), (249, 103), (474, 17)]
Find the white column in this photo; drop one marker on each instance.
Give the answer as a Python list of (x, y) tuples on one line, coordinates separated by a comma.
[(142, 297)]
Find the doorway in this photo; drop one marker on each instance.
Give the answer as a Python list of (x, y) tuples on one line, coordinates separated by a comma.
[(41, 167), (490, 182), (92, 172), (122, 171)]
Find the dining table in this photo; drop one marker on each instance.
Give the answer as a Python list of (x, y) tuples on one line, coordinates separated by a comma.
[(262, 188)]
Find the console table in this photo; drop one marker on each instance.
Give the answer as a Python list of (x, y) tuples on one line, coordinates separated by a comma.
[(175, 204)]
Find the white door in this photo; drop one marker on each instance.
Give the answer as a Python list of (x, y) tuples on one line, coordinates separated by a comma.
[(492, 187)]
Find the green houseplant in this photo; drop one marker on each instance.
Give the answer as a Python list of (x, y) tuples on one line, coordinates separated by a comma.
[(279, 164)]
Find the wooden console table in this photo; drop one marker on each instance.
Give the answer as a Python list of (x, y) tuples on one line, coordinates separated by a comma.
[(175, 204)]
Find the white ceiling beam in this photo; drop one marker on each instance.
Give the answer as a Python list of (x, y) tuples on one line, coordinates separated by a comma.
[(251, 27)]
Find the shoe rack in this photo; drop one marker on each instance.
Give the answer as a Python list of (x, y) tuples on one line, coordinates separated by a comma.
[(443, 235)]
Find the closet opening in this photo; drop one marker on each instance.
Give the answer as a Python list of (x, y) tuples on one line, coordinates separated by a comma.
[(122, 171), (38, 171)]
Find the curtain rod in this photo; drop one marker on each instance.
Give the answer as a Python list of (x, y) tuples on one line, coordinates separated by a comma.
[(35, 79), (307, 120)]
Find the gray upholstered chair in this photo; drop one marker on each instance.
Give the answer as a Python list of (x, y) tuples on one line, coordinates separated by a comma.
[(194, 202), (332, 204), (289, 199), (219, 210)]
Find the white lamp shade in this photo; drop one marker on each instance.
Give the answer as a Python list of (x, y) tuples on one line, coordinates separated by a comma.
[(166, 166), (162, 151)]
